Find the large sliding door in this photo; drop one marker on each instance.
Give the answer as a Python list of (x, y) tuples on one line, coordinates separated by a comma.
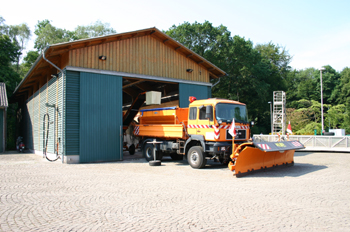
[(100, 117)]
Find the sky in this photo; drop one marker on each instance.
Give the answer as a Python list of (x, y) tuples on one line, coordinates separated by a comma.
[(315, 33)]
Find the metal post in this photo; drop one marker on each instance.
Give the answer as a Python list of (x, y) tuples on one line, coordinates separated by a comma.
[(322, 69), (271, 117)]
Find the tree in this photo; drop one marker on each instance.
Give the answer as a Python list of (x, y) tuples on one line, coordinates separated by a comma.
[(331, 85), (3, 26), (303, 84), (9, 51), (307, 117), (248, 73), (19, 34), (48, 34), (337, 117), (93, 30), (278, 59), (345, 95), (28, 62), (213, 43)]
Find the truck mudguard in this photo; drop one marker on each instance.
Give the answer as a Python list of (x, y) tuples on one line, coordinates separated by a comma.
[(199, 138)]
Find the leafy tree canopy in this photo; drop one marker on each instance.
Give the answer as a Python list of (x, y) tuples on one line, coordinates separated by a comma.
[(253, 73), (49, 34), (9, 51), (93, 30), (28, 62)]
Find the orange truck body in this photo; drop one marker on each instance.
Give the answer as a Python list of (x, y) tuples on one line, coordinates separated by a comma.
[(163, 123)]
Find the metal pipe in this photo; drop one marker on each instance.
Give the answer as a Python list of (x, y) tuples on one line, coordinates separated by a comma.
[(271, 117), (322, 104), (63, 76), (216, 83)]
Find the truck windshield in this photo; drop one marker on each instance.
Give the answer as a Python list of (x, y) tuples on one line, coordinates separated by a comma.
[(225, 112)]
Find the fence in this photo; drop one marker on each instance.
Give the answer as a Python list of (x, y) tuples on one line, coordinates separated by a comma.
[(313, 142)]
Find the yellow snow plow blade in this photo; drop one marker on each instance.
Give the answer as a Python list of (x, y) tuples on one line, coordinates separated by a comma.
[(249, 157)]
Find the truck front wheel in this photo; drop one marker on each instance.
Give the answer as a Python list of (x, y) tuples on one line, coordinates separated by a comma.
[(196, 157)]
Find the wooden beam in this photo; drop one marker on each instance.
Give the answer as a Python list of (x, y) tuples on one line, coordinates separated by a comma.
[(35, 76), (177, 48), (131, 92), (189, 55), (145, 87), (165, 40), (131, 84)]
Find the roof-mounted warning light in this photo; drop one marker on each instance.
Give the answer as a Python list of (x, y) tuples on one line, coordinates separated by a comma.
[(192, 99)]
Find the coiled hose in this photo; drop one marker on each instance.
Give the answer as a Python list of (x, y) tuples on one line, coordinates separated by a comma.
[(47, 138)]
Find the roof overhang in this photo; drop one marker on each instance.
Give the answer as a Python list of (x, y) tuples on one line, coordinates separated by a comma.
[(53, 53)]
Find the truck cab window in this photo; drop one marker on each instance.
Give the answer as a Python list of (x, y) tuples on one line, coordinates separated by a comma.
[(193, 113), (202, 113)]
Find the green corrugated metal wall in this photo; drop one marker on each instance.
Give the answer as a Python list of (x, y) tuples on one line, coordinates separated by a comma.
[(60, 116), (36, 107), (28, 112), (51, 99), (187, 90), (100, 117), (43, 111), (34, 112), (2, 113), (72, 114)]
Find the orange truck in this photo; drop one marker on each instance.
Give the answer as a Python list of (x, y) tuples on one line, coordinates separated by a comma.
[(202, 131)]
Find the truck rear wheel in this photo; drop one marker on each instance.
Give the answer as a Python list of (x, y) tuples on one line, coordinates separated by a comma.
[(196, 157), (148, 152)]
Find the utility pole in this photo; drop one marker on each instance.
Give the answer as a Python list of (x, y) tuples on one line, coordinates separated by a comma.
[(322, 69)]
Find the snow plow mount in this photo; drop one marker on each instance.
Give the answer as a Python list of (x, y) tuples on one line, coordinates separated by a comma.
[(254, 156)]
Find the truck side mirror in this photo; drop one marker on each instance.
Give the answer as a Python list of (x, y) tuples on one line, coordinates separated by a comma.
[(209, 112)]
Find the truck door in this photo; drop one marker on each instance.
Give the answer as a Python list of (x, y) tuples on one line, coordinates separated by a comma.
[(206, 122), (192, 121)]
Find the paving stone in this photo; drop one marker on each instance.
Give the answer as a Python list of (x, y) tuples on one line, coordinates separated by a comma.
[(37, 195)]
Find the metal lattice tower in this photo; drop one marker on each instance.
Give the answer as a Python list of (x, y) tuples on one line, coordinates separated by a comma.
[(279, 112)]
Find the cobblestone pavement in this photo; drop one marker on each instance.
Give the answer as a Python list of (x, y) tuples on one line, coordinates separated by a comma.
[(36, 195)]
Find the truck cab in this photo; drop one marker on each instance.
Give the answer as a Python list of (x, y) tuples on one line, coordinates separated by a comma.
[(212, 118)]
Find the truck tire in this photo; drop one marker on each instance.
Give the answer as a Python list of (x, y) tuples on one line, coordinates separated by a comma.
[(196, 157), (155, 163), (132, 149), (175, 156), (148, 152)]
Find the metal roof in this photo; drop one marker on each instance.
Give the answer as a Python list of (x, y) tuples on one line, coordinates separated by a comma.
[(3, 95)]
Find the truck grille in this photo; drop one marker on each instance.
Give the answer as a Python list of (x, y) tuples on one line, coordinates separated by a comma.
[(241, 134)]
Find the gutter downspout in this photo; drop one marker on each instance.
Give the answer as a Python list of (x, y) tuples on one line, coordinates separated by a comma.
[(219, 80), (63, 77), (216, 82)]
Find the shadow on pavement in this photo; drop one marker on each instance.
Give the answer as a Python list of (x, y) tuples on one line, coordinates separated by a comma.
[(299, 169), (302, 153), (283, 171)]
